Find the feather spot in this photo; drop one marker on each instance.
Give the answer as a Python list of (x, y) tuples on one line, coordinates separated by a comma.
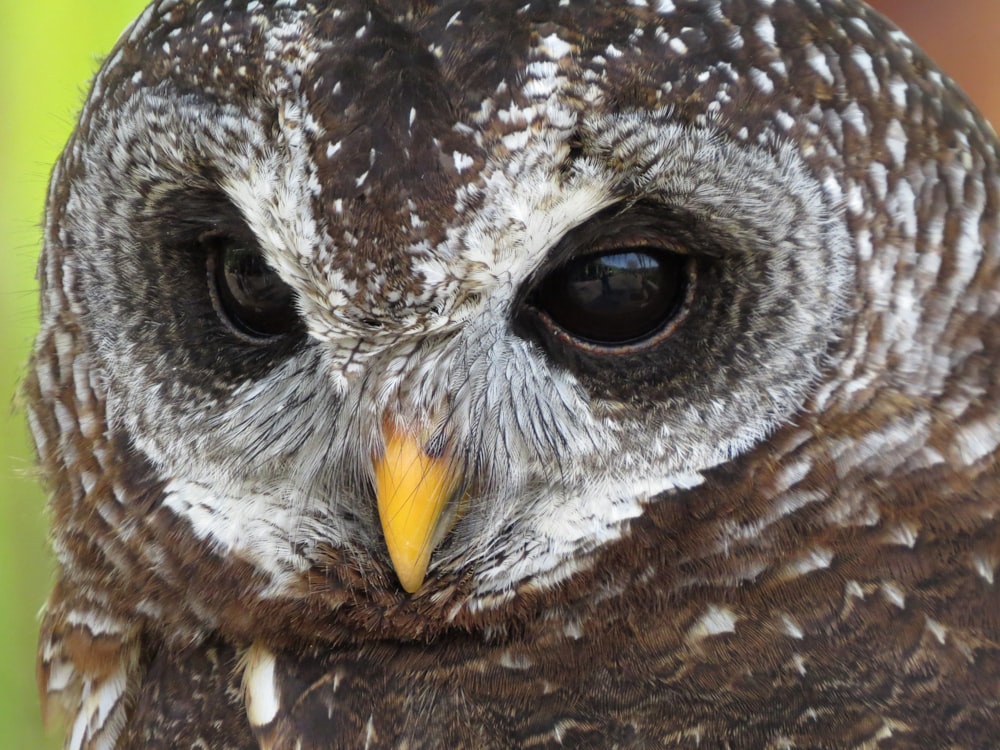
[(261, 695), (716, 621)]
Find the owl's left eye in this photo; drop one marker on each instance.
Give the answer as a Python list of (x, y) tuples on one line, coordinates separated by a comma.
[(620, 284), (617, 297), (247, 293)]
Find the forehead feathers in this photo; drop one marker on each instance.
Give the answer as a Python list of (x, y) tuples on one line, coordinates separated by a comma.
[(398, 162), (370, 129)]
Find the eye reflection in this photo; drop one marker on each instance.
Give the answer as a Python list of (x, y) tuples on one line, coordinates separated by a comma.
[(249, 293), (615, 297)]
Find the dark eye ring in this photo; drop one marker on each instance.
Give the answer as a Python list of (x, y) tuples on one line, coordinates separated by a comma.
[(246, 292), (621, 297)]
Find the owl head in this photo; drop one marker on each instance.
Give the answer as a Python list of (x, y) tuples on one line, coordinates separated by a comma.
[(395, 315)]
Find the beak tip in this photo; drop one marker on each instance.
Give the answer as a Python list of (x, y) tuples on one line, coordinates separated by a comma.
[(410, 573)]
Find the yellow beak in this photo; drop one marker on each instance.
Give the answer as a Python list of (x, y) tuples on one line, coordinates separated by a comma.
[(413, 490)]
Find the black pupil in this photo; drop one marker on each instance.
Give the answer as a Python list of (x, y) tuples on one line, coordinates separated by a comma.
[(251, 294), (616, 297)]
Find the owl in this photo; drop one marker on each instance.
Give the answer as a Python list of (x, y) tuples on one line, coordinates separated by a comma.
[(491, 374)]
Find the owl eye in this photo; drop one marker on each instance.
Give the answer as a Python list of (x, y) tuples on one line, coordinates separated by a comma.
[(616, 297), (248, 294)]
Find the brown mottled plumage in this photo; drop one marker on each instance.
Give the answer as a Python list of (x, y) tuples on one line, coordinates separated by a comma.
[(694, 303)]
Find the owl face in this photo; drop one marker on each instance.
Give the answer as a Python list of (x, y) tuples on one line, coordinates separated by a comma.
[(569, 304), (517, 374)]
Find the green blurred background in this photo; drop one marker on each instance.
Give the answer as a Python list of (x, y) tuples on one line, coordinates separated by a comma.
[(48, 50)]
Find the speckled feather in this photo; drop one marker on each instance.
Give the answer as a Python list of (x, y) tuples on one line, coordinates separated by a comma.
[(779, 529)]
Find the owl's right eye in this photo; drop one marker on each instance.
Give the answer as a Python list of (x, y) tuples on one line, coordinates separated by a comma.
[(247, 293)]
